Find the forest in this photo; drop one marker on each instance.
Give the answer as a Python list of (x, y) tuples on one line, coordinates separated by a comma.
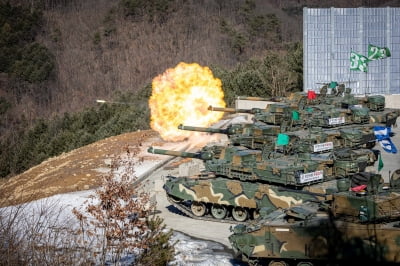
[(58, 56)]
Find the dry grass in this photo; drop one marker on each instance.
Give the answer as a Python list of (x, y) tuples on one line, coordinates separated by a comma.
[(80, 169), (44, 233)]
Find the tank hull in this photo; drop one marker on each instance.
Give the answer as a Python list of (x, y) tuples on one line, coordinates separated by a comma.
[(228, 194), (352, 227), (321, 240)]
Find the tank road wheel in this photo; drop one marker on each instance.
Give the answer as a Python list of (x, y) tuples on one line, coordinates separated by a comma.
[(175, 199), (198, 208), (218, 211), (395, 178), (239, 214), (370, 144), (304, 263), (256, 214), (277, 263)]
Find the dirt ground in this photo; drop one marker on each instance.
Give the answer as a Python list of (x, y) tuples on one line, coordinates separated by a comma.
[(80, 169)]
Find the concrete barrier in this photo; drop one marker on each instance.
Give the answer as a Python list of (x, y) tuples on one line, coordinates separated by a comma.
[(246, 104), (392, 101)]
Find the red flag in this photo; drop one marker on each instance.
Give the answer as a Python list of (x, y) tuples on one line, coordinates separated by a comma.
[(311, 95), (358, 188)]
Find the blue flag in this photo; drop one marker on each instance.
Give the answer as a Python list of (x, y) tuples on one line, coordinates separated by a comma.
[(382, 135)]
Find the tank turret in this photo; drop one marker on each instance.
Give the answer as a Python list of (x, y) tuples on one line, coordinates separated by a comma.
[(358, 224), (319, 140), (250, 135), (373, 102)]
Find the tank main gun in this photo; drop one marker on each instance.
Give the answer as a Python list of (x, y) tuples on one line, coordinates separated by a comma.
[(202, 155), (250, 98), (231, 130), (233, 110)]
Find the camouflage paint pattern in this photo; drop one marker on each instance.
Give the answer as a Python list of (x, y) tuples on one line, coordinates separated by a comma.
[(262, 136), (309, 233), (387, 117), (338, 108), (375, 102), (233, 193), (240, 163)]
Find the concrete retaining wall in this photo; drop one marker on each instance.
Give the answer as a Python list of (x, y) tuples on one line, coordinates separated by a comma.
[(392, 101)]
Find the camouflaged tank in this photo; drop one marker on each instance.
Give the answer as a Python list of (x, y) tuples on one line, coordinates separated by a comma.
[(312, 140), (353, 226), (338, 96), (238, 182), (290, 118), (242, 178), (334, 109)]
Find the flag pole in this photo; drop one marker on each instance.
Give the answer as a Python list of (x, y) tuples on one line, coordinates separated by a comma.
[(366, 79), (350, 75)]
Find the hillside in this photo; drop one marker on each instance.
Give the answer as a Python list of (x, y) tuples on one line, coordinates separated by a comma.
[(77, 170), (101, 47)]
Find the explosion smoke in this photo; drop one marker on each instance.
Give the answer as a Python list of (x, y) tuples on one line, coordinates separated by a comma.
[(181, 95)]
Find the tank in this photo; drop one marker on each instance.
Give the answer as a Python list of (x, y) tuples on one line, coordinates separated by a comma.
[(334, 109), (323, 143), (240, 163), (323, 115), (352, 226), (250, 135), (261, 136), (212, 198), (237, 182), (338, 96)]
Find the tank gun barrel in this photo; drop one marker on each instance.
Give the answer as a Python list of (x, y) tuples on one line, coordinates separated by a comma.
[(249, 98), (184, 154), (234, 110), (227, 131), (231, 110)]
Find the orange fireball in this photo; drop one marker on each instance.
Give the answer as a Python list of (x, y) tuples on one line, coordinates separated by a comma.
[(181, 95)]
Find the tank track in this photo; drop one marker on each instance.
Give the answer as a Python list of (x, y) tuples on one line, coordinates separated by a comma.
[(207, 217)]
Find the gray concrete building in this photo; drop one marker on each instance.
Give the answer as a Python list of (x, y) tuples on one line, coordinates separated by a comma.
[(331, 34)]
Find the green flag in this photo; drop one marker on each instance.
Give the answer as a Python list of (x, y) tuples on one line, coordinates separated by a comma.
[(380, 163), (375, 52), (295, 115), (358, 62), (283, 139), (333, 84)]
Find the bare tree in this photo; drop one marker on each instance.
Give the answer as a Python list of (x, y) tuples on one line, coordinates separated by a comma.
[(119, 218)]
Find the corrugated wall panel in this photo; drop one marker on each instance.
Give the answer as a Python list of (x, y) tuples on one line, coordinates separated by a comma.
[(330, 34)]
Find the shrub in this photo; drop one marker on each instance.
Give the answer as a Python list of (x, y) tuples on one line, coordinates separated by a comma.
[(118, 222)]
